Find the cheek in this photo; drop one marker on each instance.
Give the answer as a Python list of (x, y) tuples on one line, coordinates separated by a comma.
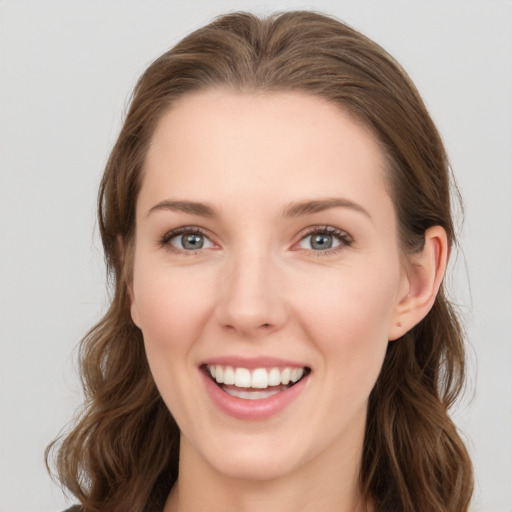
[(352, 301), (171, 308), (171, 320), (349, 320)]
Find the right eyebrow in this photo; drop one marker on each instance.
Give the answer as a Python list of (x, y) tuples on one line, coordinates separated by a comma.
[(192, 207), (319, 205)]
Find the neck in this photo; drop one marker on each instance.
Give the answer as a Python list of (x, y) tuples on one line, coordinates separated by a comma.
[(329, 483)]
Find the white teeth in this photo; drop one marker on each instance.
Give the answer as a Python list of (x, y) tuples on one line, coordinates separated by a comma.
[(260, 378), (242, 378), (251, 395), (274, 377), (229, 376), (219, 374), (296, 374)]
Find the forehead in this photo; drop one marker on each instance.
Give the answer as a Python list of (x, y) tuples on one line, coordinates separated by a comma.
[(274, 146)]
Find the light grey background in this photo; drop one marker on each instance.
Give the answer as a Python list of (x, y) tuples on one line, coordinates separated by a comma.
[(66, 70)]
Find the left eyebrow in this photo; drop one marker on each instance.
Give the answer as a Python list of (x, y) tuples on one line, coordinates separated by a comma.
[(295, 209), (319, 205), (192, 207)]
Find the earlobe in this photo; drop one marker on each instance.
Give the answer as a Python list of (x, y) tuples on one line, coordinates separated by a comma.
[(134, 312), (425, 274), (122, 254)]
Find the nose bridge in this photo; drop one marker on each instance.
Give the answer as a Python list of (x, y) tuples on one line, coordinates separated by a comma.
[(251, 298)]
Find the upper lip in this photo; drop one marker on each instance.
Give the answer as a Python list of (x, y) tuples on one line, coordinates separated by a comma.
[(252, 363)]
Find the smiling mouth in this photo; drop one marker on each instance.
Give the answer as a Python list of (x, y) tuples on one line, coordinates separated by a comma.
[(255, 384)]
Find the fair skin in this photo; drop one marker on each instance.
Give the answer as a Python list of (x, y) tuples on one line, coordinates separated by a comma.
[(265, 239)]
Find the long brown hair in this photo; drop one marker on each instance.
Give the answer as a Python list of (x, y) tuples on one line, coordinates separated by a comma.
[(122, 453)]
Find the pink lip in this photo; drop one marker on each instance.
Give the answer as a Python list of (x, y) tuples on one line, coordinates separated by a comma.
[(252, 362), (252, 409)]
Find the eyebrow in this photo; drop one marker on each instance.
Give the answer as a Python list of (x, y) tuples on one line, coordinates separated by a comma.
[(296, 209), (192, 207), (320, 205)]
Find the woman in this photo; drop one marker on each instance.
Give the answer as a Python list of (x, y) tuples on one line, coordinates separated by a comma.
[(276, 220)]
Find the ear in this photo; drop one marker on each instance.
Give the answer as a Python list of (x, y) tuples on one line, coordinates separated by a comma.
[(134, 312), (123, 253), (423, 277)]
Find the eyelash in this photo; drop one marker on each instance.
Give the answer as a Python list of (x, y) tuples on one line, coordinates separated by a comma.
[(343, 237), (185, 230)]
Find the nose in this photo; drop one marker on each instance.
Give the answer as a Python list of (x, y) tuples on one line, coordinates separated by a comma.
[(252, 300)]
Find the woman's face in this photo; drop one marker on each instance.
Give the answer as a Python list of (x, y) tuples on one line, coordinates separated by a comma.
[(266, 250)]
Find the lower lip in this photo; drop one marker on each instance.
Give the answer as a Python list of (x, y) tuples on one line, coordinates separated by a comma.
[(261, 409)]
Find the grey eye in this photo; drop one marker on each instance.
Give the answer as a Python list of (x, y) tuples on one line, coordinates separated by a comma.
[(190, 241), (319, 242)]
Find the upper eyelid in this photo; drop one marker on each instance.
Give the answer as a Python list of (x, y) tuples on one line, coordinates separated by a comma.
[(165, 239), (186, 229), (328, 229), (345, 238), (323, 227), (331, 230), (303, 232)]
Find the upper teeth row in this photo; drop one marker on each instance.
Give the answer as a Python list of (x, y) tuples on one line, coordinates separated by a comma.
[(259, 378)]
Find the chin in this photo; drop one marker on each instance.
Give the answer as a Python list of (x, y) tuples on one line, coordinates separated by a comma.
[(255, 459), (257, 469)]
